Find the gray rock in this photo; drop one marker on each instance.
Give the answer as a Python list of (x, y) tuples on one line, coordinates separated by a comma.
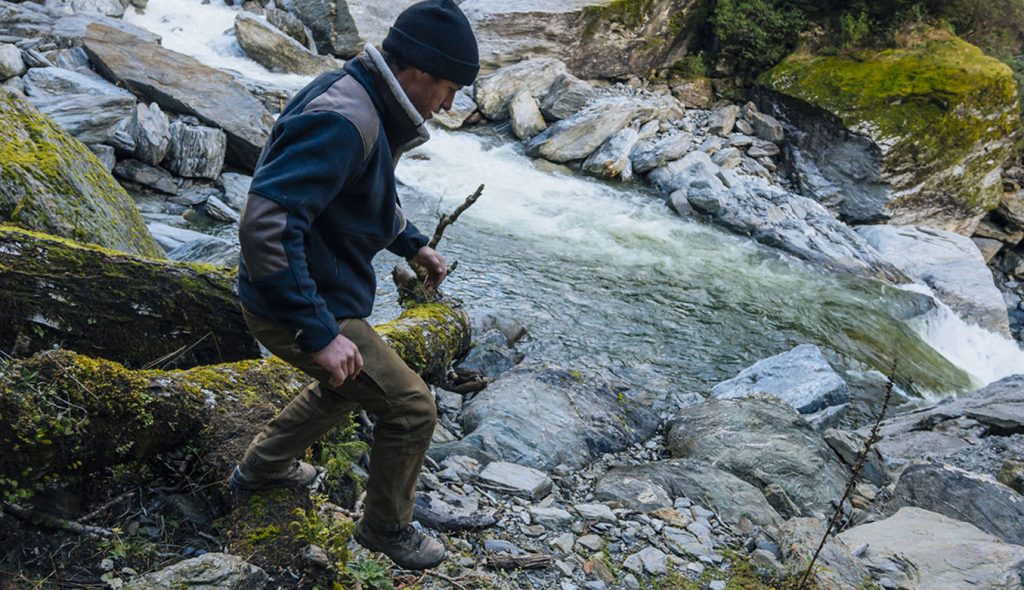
[(652, 153), (723, 120), (763, 442), (146, 175), (563, 542), (728, 158), (650, 486), (11, 63), (236, 189), (447, 511), (922, 550), (578, 136), (75, 59), (685, 544), (463, 106), (568, 96), (170, 237), (105, 154), (112, 8), (849, 445), (948, 263), (649, 560), (292, 26), (216, 209), (611, 159), (151, 132), (962, 495), (590, 542), (196, 151), (988, 247), (799, 539), (91, 119), (740, 140), (763, 149), (766, 127), (1011, 207), (598, 512), (800, 377), (494, 92), (275, 49), (181, 84), (489, 357), (209, 249), (53, 82), (212, 571), (516, 480), (545, 417), (551, 518), (334, 29), (771, 216), (525, 116)]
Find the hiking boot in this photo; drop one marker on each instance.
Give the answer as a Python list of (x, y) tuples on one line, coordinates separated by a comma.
[(407, 547), (297, 474)]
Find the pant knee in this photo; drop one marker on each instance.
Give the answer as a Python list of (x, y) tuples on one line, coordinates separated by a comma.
[(414, 417)]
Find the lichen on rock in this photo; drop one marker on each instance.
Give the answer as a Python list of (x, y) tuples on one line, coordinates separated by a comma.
[(939, 115), (51, 182)]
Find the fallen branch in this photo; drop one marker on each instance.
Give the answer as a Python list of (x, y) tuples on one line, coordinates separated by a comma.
[(53, 522), (513, 562)]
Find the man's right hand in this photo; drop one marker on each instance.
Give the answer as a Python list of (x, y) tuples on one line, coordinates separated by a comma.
[(341, 359)]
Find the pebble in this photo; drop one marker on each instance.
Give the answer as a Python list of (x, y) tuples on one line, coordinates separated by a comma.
[(716, 585), (501, 546), (590, 542), (598, 512), (630, 582), (552, 518), (563, 542), (595, 585), (696, 567), (565, 567)]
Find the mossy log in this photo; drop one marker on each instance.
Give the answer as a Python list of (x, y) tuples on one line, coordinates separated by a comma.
[(137, 311)]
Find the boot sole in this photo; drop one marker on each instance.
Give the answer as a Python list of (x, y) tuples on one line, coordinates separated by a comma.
[(238, 483)]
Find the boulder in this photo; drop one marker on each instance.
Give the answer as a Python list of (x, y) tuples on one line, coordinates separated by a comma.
[(611, 159), (50, 182), (653, 153), (112, 8), (196, 151), (922, 550), (292, 26), (11, 63), (149, 176), (516, 480), (87, 106), (275, 49), (105, 154), (800, 377), (568, 96), (916, 134), (766, 443), (771, 216), (494, 92), (765, 127), (490, 357), (216, 209), (181, 84), (654, 485), (545, 417), (525, 116), (463, 107), (578, 136), (962, 495), (837, 568), (509, 32), (447, 511), (695, 93), (151, 132), (236, 189), (212, 571), (723, 120), (1011, 207), (334, 30)]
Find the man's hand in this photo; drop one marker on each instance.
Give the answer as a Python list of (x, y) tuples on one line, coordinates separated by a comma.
[(341, 359), (434, 264)]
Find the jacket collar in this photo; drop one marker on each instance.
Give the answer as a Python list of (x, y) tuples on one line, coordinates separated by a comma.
[(404, 127)]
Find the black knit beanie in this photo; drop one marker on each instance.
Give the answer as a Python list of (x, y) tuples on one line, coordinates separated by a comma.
[(435, 37)]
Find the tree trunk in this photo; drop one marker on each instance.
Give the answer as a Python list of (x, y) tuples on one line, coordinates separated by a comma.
[(136, 311)]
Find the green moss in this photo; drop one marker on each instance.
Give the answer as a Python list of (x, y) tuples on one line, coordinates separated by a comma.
[(929, 104), (428, 337), (631, 13), (50, 181)]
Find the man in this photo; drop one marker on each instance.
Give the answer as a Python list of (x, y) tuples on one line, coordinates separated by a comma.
[(322, 203)]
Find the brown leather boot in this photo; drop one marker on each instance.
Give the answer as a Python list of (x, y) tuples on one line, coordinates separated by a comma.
[(297, 474), (407, 547)]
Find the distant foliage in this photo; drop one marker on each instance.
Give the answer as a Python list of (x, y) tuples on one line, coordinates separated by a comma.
[(852, 31), (759, 32), (691, 66)]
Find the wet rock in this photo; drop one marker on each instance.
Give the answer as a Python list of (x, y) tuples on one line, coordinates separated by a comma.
[(105, 154), (766, 127), (11, 63), (213, 571), (545, 417), (181, 84), (208, 249), (652, 153), (578, 136), (275, 49), (334, 30), (568, 96), (516, 480), (525, 115), (446, 511), (645, 487), (948, 263), (236, 189), (146, 175), (799, 540), (490, 356), (800, 377), (962, 495), (151, 132), (196, 151), (494, 92), (763, 442), (922, 550), (723, 120), (463, 106), (611, 159)]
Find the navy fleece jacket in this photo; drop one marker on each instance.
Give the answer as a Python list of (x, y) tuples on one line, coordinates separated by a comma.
[(323, 202)]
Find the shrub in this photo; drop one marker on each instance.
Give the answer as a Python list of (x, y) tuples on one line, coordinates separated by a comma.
[(759, 32)]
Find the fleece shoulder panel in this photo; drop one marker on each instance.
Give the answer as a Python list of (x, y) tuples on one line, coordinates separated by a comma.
[(348, 98)]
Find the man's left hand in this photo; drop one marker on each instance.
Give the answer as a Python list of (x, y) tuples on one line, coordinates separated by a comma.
[(434, 264)]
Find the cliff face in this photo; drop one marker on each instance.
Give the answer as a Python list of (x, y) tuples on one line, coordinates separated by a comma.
[(915, 134)]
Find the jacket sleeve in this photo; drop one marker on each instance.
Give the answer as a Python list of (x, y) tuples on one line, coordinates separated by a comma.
[(408, 242), (309, 159)]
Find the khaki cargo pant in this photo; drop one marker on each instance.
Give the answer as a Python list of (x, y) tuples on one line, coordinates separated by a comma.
[(404, 408)]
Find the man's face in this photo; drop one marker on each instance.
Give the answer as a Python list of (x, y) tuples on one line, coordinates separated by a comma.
[(428, 93)]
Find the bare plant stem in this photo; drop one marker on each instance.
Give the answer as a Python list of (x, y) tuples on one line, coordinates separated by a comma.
[(452, 217), (862, 458)]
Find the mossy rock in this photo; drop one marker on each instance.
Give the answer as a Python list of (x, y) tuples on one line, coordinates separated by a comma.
[(939, 116), (51, 182)]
